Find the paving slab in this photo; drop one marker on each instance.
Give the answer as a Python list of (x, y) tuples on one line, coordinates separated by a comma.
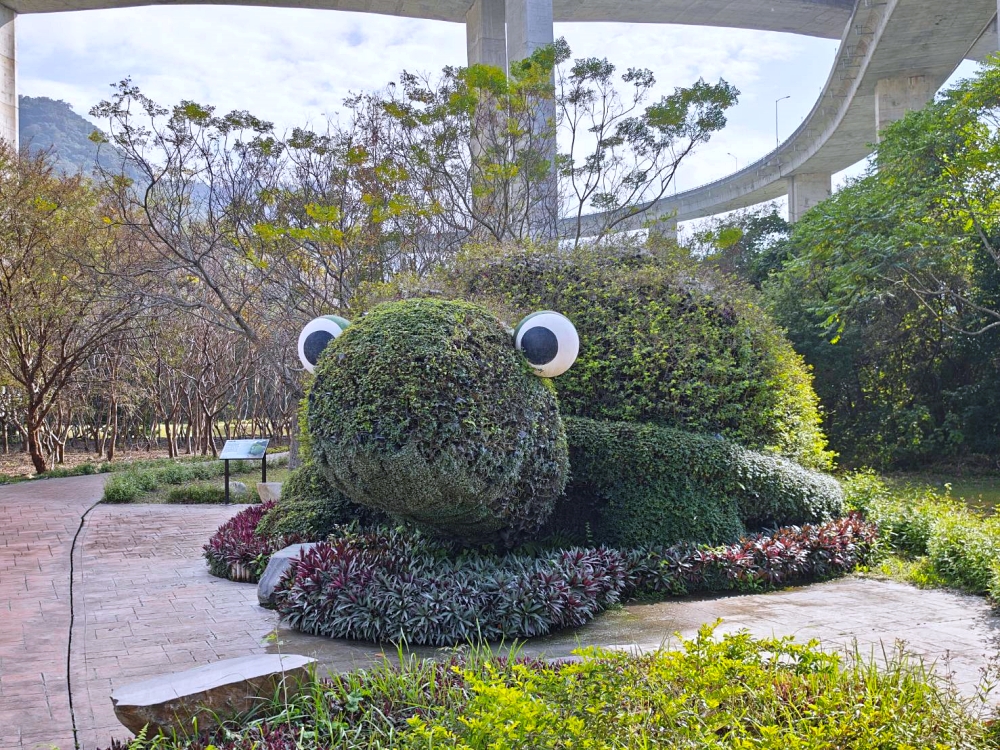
[(37, 522)]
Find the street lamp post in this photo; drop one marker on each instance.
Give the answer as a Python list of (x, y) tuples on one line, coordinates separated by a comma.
[(777, 142), (737, 161)]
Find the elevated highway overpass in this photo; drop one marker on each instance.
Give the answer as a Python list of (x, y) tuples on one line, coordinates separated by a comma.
[(893, 56)]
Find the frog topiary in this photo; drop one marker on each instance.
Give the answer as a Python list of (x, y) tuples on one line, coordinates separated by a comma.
[(434, 412)]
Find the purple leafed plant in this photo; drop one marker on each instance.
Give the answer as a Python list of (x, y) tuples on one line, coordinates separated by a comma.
[(236, 552), (394, 585)]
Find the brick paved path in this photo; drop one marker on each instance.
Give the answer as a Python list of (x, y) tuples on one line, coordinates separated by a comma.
[(145, 604), (37, 523)]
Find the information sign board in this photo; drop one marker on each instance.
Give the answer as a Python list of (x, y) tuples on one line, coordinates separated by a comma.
[(252, 450)]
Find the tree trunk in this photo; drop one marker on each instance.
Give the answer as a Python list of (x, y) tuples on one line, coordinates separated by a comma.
[(34, 442), (113, 429)]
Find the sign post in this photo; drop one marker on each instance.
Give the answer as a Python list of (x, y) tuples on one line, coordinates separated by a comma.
[(245, 450)]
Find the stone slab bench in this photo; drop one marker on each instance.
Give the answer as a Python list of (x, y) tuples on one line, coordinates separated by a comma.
[(279, 563), (214, 693), (269, 491)]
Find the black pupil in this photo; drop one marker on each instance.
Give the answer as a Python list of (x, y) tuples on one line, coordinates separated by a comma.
[(539, 345), (315, 344)]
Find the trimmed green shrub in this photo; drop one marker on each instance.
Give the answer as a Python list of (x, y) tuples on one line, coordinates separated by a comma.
[(199, 493), (311, 507), (660, 341), (423, 409), (640, 484), (121, 488)]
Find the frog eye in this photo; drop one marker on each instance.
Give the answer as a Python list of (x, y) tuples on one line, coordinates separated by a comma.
[(548, 341), (315, 337)]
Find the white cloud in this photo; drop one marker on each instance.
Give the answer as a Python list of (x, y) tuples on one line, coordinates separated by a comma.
[(294, 66)]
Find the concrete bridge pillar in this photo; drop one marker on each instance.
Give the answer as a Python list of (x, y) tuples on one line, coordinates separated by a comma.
[(529, 27), (805, 191), (8, 76), (894, 97), (486, 33), (664, 228)]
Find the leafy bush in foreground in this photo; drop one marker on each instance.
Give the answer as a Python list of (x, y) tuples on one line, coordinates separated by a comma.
[(237, 552), (730, 693), (640, 484), (960, 547), (392, 585)]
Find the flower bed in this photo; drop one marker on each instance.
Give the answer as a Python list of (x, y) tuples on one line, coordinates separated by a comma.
[(392, 586), (236, 552)]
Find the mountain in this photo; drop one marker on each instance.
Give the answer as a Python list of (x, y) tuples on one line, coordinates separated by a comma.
[(52, 124)]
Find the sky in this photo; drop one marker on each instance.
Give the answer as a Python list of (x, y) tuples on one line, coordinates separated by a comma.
[(294, 67)]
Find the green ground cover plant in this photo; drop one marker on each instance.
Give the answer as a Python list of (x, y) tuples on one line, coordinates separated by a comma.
[(204, 493), (730, 693), (941, 539), (180, 479)]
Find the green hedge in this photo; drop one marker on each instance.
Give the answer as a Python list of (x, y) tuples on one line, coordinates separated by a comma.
[(660, 341), (311, 507), (640, 484), (423, 409)]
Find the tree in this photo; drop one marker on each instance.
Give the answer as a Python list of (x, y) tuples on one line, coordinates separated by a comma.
[(472, 140), (58, 302), (891, 290)]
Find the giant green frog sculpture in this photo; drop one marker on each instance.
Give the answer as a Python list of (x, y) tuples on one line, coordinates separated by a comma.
[(437, 413)]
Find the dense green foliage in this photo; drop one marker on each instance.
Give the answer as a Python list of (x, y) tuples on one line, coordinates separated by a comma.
[(640, 484), (730, 693), (424, 410), (311, 507), (892, 290), (949, 543), (748, 245), (660, 341), (391, 585)]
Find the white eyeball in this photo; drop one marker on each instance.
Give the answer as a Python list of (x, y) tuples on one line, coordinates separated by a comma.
[(549, 342), (315, 337)]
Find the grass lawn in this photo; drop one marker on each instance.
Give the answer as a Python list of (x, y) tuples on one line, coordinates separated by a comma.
[(979, 492)]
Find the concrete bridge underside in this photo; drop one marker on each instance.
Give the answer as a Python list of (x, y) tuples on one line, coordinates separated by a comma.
[(893, 56)]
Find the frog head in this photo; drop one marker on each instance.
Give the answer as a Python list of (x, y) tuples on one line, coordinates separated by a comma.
[(436, 412)]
